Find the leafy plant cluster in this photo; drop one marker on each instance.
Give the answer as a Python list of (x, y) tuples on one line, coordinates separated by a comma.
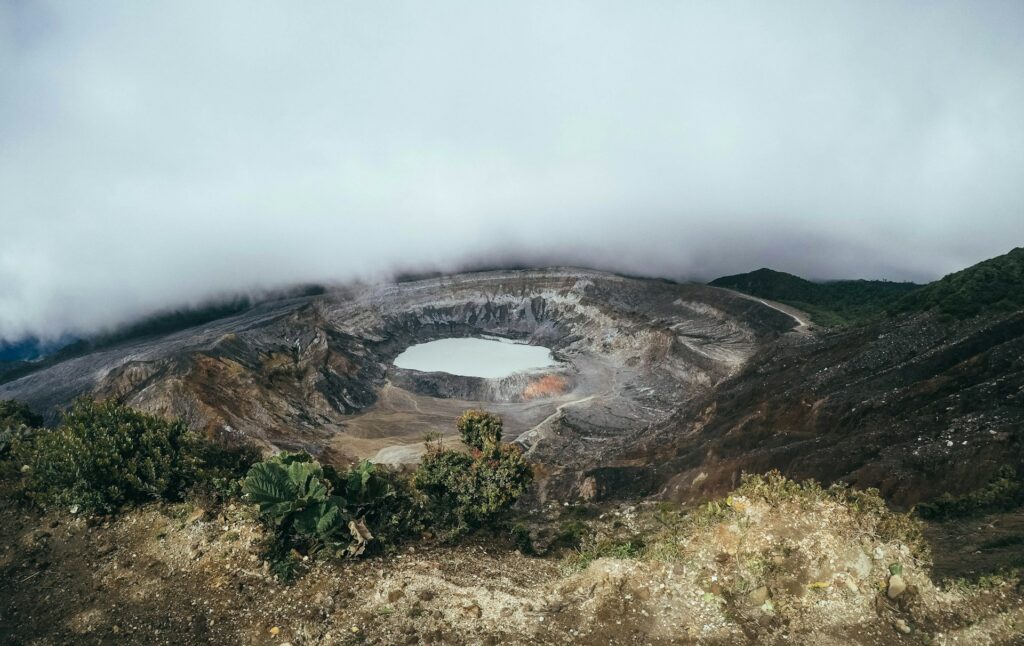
[(14, 414), (1004, 491), (468, 491), (103, 456), (315, 508), (16, 421)]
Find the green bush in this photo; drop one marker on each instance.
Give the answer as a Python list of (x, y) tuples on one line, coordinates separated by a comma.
[(17, 421), (444, 477), (599, 549), (317, 508), (104, 455), (383, 499), (466, 492), (479, 429), (14, 414), (294, 495), (223, 467), (1004, 491)]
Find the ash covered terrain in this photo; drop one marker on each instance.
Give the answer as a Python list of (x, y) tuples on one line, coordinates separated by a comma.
[(645, 522), (315, 372), (659, 388)]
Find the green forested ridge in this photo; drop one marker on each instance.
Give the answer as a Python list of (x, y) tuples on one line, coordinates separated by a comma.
[(995, 285), (840, 302)]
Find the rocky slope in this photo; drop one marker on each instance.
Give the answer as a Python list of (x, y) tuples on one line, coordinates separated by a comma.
[(915, 406), (799, 569), (663, 389), (315, 372)]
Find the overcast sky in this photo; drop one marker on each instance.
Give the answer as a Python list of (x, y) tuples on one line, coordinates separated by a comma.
[(158, 153)]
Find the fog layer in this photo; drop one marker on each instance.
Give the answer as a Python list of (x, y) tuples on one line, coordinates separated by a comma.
[(157, 154)]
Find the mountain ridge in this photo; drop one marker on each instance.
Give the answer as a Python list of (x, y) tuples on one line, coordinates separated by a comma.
[(995, 284)]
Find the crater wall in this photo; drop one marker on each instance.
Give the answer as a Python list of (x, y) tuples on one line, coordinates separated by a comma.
[(315, 372)]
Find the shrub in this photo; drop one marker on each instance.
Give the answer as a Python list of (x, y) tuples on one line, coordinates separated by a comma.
[(104, 455), (294, 495), (16, 422), (522, 540), (223, 467), (479, 429), (383, 499), (1004, 491), (466, 492), (602, 548), (14, 414), (445, 478), (318, 508)]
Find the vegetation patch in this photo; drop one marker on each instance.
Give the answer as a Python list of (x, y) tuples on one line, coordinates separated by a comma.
[(104, 455), (469, 491), (602, 548), (17, 421), (1003, 492), (994, 285), (317, 510), (835, 303), (14, 414)]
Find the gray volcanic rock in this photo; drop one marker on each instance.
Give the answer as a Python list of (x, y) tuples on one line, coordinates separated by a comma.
[(315, 372)]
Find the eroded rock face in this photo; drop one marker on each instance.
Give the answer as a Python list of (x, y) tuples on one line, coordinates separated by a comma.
[(516, 388), (315, 372), (915, 406)]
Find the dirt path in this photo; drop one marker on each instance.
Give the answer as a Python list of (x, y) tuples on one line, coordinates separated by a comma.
[(803, 320), (530, 437)]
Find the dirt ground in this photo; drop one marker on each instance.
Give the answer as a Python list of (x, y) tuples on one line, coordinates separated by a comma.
[(391, 431), (178, 574)]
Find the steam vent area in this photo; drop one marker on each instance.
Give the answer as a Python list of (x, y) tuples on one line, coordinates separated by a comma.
[(584, 368)]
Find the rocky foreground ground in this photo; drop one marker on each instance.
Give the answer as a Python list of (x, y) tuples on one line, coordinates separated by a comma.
[(765, 566)]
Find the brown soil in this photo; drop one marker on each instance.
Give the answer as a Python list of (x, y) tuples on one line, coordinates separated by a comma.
[(175, 574)]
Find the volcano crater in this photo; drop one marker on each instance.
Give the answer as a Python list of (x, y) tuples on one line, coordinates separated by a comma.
[(317, 372)]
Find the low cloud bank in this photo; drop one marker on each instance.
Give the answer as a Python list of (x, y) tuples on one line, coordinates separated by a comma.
[(159, 155)]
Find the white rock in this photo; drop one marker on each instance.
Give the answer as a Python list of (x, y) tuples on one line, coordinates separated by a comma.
[(896, 586)]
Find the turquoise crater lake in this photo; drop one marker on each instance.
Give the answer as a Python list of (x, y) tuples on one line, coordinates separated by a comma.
[(471, 357)]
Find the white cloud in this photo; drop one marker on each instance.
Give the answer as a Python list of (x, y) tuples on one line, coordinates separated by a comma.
[(154, 154)]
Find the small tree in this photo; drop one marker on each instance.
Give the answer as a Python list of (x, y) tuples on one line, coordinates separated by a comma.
[(104, 455), (17, 421), (479, 429), (14, 414), (470, 491)]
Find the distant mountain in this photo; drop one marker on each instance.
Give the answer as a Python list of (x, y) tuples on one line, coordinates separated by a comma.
[(991, 286), (30, 348), (21, 358), (840, 302)]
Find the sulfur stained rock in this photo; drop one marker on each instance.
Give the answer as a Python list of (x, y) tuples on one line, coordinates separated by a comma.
[(896, 586)]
